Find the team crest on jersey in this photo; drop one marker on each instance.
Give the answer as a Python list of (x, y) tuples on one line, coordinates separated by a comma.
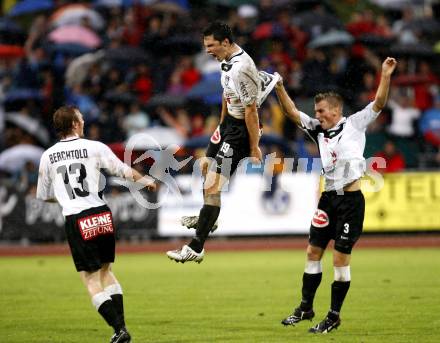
[(320, 219), (226, 66), (96, 225), (216, 137)]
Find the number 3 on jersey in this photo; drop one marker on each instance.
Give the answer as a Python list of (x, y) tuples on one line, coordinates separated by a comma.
[(78, 170)]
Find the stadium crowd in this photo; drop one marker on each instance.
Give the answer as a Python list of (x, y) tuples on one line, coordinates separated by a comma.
[(138, 66)]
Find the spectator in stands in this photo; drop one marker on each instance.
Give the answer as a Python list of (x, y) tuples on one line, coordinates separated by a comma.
[(197, 125), (80, 98), (136, 121), (133, 29), (361, 23), (429, 124), (368, 89), (426, 87), (189, 74), (382, 27), (143, 84), (184, 77), (403, 115), (402, 29), (315, 67), (22, 147), (394, 159)]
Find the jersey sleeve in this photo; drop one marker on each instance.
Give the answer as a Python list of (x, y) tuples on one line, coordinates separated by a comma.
[(109, 161), (360, 120), (246, 83), (44, 185), (308, 123)]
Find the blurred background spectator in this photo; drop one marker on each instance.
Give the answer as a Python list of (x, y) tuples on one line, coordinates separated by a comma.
[(395, 161)]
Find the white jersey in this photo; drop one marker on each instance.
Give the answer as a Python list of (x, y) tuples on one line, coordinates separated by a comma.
[(240, 82), (70, 173), (342, 147)]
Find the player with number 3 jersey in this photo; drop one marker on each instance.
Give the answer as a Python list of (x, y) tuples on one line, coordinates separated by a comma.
[(341, 207)]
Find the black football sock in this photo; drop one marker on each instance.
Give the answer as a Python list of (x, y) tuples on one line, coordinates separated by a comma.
[(118, 303), (339, 291), (114, 291), (310, 285), (108, 311), (207, 218)]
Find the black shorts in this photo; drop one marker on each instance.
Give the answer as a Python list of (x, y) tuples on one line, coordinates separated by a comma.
[(229, 145), (338, 217), (91, 237)]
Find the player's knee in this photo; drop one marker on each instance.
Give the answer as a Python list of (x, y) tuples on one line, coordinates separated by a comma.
[(106, 267), (212, 190), (213, 184), (314, 253), (342, 273), (93, 283), (106, 272), (212, 199), (341, 259)]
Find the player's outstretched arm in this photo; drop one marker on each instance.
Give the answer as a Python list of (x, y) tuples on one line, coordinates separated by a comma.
[(287, 105), (388, 67), (133, 175)]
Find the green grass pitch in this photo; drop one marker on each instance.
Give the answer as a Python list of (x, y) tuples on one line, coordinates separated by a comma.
[(230, 297)]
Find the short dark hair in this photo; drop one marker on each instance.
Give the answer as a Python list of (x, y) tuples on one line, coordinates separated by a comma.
[(333, 98), (63, 119), (220, 31)]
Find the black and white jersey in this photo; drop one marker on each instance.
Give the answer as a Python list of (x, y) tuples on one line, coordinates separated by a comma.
[(240, 82), (70, 172), (342, 147)]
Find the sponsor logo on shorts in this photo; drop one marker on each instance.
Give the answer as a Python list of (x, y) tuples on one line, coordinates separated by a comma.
[(96, 225), (320, 219), (216, 137)]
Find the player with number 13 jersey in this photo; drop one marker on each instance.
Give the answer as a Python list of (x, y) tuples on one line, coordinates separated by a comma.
[(70, 171)]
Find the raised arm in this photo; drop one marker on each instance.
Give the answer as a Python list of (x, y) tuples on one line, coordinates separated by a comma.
[(388, 67), (287, 105)]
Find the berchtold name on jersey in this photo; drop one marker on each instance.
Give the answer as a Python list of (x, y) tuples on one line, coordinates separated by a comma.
[(68, 155)]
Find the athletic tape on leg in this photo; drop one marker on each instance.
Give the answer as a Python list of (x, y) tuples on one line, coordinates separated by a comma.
[(113, 289), (342, 273), (99, 298), (313, 267)]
